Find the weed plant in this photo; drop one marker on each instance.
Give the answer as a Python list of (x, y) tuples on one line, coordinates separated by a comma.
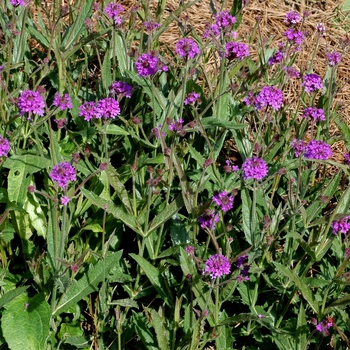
[(153, 199)]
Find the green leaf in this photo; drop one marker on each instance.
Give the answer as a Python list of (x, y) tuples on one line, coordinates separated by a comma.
[(111, 129), (12, 294), (214, 122), (112, 209), (246, 215), (154, 276), (300, 284), (170, 210), (78, 26), (144, 333), (121, 54), (88, 283), (238, 319), (343, 301), (302, 329), (26, 327), (20, 167), (36, 215), (162, 333), (106, 74), (125, 303)]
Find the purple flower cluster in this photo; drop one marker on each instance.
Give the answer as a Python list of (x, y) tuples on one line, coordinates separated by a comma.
[(113, 10), (229, 168), (31, 102), (242, 263), (342, 225), (19, 2), (269, 96), (62, 102), (314, 114), (178, 127), (291, 72), (148, 64), (121, 89), (299, 147), (109, 107), (224, 22), (254, 168), (4, 147), (292, 18), (151, 26), (312, 82), (89, 110), (187, 48), (275, 58), (234, 50), (191, 98), (333, 58), (157, 132), (224, 201), (324, 326), (317, 149), (295, 37), (62, 173), (321, 29), (216, 266), (208, 219)]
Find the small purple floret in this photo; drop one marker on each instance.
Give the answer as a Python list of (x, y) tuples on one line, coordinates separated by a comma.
[(216, 266)]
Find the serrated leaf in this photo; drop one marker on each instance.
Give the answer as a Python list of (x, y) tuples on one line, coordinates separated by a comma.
[(345, 300), (12, 294), (88, 283), (36, 215), (32, 323), (111, 129), (302, 329), (125, 303), (144, 333), (162, 333), (209, 122), (300, 284), (154, 276)]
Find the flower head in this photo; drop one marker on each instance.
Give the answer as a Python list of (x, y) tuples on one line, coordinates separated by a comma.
[(148, 64), (314, 114), (317, 149), (299, 147), (323, 327), (342, 225), (216, 266), (62, 173), (178, 127), (312, 82), (254, 168), (292, 18), (151, 26), (113, 10), (4, 147), (62, 102), (333, 58), (89, 110), (65, 200), (224, 201), (19, 2), (192, 97), (121, 89), (31, 102), (109, 107), (208, 219), (291, 72), (224, 20), (187, 48), (275, 58), (321, 29), (235, 50), (269, 96), (295, 37), (157, 132)]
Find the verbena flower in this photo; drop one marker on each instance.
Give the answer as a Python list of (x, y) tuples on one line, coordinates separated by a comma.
[(292, 18), (157, 132), (229, 168), (151, 26), (189, 250), (269, 96), (254, 168), (109, 107), (291, 72), (317, 149), (62, 173), (275, 58), (347, 158), (342, 225), (299, 147), (31, 102), (148, 64), (62, 102), (314, 114), (321, 29), (312, 82), (216, 266), (121, 89), (4, 147), (224, 201), (235, 50), (323, 327), (192, 97), (211, 31), (19, 2), (294, 37), (208, 219), (89, 110), (113, 10), (187, 48), (333, 58), (178, 127), (65, 200), (224, 20)]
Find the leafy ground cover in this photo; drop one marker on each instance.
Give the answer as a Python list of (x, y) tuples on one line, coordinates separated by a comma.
[(174, 191)]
